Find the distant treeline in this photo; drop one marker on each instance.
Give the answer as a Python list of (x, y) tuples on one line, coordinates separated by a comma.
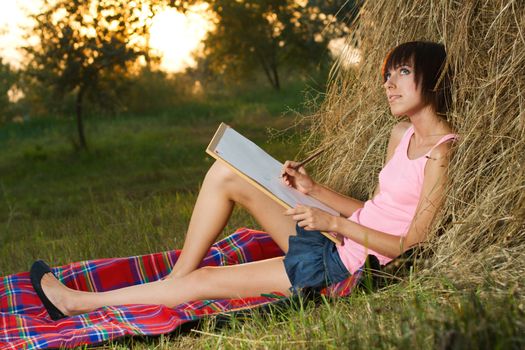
[(94, 54)]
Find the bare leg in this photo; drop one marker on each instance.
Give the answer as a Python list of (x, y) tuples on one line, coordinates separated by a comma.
[(221, 189), (234, 281)]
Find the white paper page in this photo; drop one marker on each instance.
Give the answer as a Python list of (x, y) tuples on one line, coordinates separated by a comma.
[(251, 160)]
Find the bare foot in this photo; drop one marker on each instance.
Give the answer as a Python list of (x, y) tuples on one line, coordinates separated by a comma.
[(57, 293)]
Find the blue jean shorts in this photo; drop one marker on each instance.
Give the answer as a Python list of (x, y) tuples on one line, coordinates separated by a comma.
[(312, 261)]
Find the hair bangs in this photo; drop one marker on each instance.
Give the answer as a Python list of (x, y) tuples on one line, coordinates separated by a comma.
[(398, 56)]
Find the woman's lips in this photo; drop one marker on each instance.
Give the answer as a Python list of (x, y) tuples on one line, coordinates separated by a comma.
[(392, 98)]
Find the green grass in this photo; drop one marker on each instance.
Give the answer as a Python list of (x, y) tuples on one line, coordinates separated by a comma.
[(137, 183), (133, 193), (404, 316)]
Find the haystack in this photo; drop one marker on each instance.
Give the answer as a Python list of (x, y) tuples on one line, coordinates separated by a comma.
[(480, 233)]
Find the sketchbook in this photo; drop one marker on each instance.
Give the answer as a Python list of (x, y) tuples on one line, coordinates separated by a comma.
[(260, 169)]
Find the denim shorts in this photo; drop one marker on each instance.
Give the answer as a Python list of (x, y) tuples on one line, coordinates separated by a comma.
[(312, 261)]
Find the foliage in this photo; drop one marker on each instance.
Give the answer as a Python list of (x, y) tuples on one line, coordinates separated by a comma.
[(154, 91), (272, 34), (86, 47), (7, 79)]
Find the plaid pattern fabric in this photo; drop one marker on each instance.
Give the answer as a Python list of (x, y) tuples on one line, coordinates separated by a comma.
[(25, 324)]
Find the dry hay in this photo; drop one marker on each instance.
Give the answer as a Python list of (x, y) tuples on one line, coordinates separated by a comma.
[(481, 231)]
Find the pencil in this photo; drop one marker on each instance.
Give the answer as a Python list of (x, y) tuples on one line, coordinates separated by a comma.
[(307, 160)]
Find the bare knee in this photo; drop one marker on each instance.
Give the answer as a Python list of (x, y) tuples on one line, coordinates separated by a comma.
[(220, 172), (236, 187)]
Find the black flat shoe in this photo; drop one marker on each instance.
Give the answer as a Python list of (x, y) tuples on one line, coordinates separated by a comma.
[(38, 270)]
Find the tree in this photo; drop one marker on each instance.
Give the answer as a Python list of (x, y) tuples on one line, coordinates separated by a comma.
[(7, 79), (272, 33), (85, 46)]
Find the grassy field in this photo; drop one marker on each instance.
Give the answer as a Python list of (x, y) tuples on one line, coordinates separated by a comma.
[(137, 185)]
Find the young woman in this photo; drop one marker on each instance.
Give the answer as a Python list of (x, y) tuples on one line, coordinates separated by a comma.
[(410, 192)]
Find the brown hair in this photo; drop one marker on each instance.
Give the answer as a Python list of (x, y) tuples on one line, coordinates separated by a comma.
[(428, 60)]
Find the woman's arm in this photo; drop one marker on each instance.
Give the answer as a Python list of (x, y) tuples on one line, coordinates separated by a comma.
[(432, 195), (345, 205), (300, 180)]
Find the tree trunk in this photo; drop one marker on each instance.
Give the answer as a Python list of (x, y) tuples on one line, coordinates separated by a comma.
[(80, 124), (277, 84), (268, 75), (270, 72), (273, 66)]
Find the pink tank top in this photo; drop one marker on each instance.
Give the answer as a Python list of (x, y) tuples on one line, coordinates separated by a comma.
[(393, 208)]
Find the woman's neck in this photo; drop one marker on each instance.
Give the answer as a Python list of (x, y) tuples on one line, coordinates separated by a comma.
[(428, 125)]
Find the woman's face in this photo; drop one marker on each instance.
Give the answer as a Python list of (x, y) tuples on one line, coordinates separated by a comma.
[(404, 97)]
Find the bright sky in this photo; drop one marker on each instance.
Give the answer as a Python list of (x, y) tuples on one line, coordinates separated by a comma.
[(173, 35), (12, 16), (176, 36)]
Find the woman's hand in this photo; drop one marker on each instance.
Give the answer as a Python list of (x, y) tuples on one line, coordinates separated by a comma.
[(297, 178), (313, 218)]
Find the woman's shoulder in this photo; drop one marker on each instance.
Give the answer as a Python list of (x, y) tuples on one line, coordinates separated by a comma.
[(442, 149), (444, 145), (401, 127), (398, 131)]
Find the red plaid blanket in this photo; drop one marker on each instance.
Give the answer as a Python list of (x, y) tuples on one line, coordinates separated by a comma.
[(24, 323)]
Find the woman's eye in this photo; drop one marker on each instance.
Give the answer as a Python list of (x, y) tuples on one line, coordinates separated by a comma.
[(387, 76), (404, 71)]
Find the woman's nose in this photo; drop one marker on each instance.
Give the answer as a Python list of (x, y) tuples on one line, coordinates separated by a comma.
[(388, 83)]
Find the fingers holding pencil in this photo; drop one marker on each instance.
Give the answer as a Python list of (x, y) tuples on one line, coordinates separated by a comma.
[(289, 173), (289, 168), (298, 165), (296, 177)]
